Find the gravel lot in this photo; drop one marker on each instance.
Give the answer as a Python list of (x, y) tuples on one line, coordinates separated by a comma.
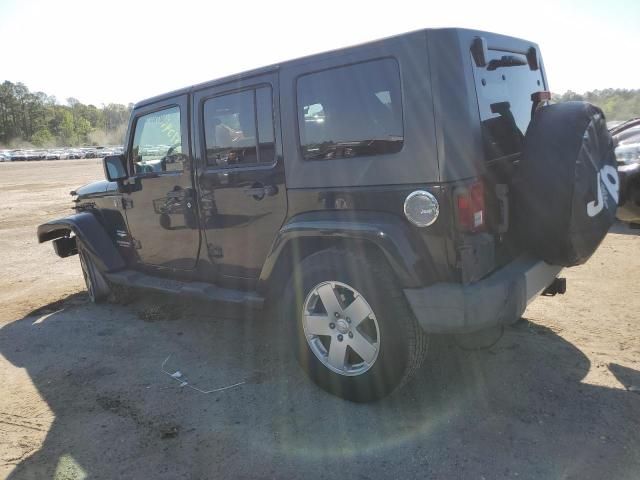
[(83, 395)]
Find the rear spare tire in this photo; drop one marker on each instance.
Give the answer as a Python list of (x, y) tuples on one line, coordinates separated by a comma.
[(566, 186)]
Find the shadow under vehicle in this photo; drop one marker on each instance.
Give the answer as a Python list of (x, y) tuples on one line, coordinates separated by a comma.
[(367, 198), (523, 406)]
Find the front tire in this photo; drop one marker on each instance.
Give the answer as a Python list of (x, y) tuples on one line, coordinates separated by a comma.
[(355, 334), (97, 286)]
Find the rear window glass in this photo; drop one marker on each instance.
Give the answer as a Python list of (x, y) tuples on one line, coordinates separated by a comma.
[(504, 87), (351, 111)]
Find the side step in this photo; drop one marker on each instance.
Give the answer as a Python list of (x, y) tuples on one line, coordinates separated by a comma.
[(206, 291)]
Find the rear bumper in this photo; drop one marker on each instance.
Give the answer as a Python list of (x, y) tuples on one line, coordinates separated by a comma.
[(498, 299)]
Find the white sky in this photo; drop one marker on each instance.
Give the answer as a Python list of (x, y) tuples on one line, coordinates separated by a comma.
[(125, 50)]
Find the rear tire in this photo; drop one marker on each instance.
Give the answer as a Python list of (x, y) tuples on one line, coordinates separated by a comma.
[(97, 286), (358, 359)]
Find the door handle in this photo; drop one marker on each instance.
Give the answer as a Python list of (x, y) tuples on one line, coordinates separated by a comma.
[(259, 191)]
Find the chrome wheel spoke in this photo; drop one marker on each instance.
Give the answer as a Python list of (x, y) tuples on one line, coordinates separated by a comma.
[(337, 354), (358, 311), (363, 347), (317, 325), (329, 299)]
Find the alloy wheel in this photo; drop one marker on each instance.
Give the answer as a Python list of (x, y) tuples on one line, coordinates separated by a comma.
[(341, 328)]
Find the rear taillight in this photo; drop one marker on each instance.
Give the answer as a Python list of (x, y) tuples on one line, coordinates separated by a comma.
[(470, 206)]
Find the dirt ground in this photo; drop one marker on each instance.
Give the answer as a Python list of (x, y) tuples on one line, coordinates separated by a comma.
[(83, 393)]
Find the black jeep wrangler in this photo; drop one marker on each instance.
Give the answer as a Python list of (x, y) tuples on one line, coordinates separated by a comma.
[(370, 196)]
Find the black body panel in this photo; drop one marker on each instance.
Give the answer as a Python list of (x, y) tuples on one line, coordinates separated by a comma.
[(356, 209)]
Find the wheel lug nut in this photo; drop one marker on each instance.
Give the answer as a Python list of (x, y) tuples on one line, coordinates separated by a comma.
[(332, 326), (340, 337), (336, 314), (348, 320), (350, 334)]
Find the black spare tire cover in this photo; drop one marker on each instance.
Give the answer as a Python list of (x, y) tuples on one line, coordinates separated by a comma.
[(566, 186)]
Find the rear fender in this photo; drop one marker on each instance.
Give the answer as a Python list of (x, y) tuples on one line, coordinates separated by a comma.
[(386, 233), (90, 234)]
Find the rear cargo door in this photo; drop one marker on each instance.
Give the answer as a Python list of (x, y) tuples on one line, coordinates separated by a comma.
[(505, 80), (505, 76)]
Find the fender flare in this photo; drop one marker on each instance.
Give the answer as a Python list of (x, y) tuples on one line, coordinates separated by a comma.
[(391, 235), (90, 232)]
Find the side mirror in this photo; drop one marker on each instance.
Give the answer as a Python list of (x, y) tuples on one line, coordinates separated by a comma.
[(114, 168)]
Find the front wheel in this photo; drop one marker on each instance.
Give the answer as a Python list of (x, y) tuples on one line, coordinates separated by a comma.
[(356, 337)]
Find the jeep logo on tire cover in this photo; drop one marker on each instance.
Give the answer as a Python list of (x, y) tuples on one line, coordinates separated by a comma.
[(607, 176)]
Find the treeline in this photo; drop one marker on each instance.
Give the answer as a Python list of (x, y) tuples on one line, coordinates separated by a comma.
[(617, 104), (37, 119)]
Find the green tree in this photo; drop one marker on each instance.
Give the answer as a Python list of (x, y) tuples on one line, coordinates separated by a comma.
[(42, 138), (67, 129), (37, 118)]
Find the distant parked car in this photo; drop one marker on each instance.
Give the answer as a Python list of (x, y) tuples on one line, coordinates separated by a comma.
[(18, 155), (75, 154), (53, 155), (627, 139), (102, 152)]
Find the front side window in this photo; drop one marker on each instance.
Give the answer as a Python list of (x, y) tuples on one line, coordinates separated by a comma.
[(351, 111), (239, 128), (157, 142)]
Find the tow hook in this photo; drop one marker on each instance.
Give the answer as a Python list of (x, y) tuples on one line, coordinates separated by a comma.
[(559, 285)]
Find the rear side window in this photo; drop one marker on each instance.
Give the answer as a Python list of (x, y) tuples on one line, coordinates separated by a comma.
[(239, 128), (350, 111)]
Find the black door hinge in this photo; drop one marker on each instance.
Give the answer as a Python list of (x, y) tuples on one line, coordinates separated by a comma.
[(127, 203), (136, 244)]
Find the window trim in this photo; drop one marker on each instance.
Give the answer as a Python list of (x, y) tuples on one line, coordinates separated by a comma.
[(343, 65), (248, 166), (136, 118)]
